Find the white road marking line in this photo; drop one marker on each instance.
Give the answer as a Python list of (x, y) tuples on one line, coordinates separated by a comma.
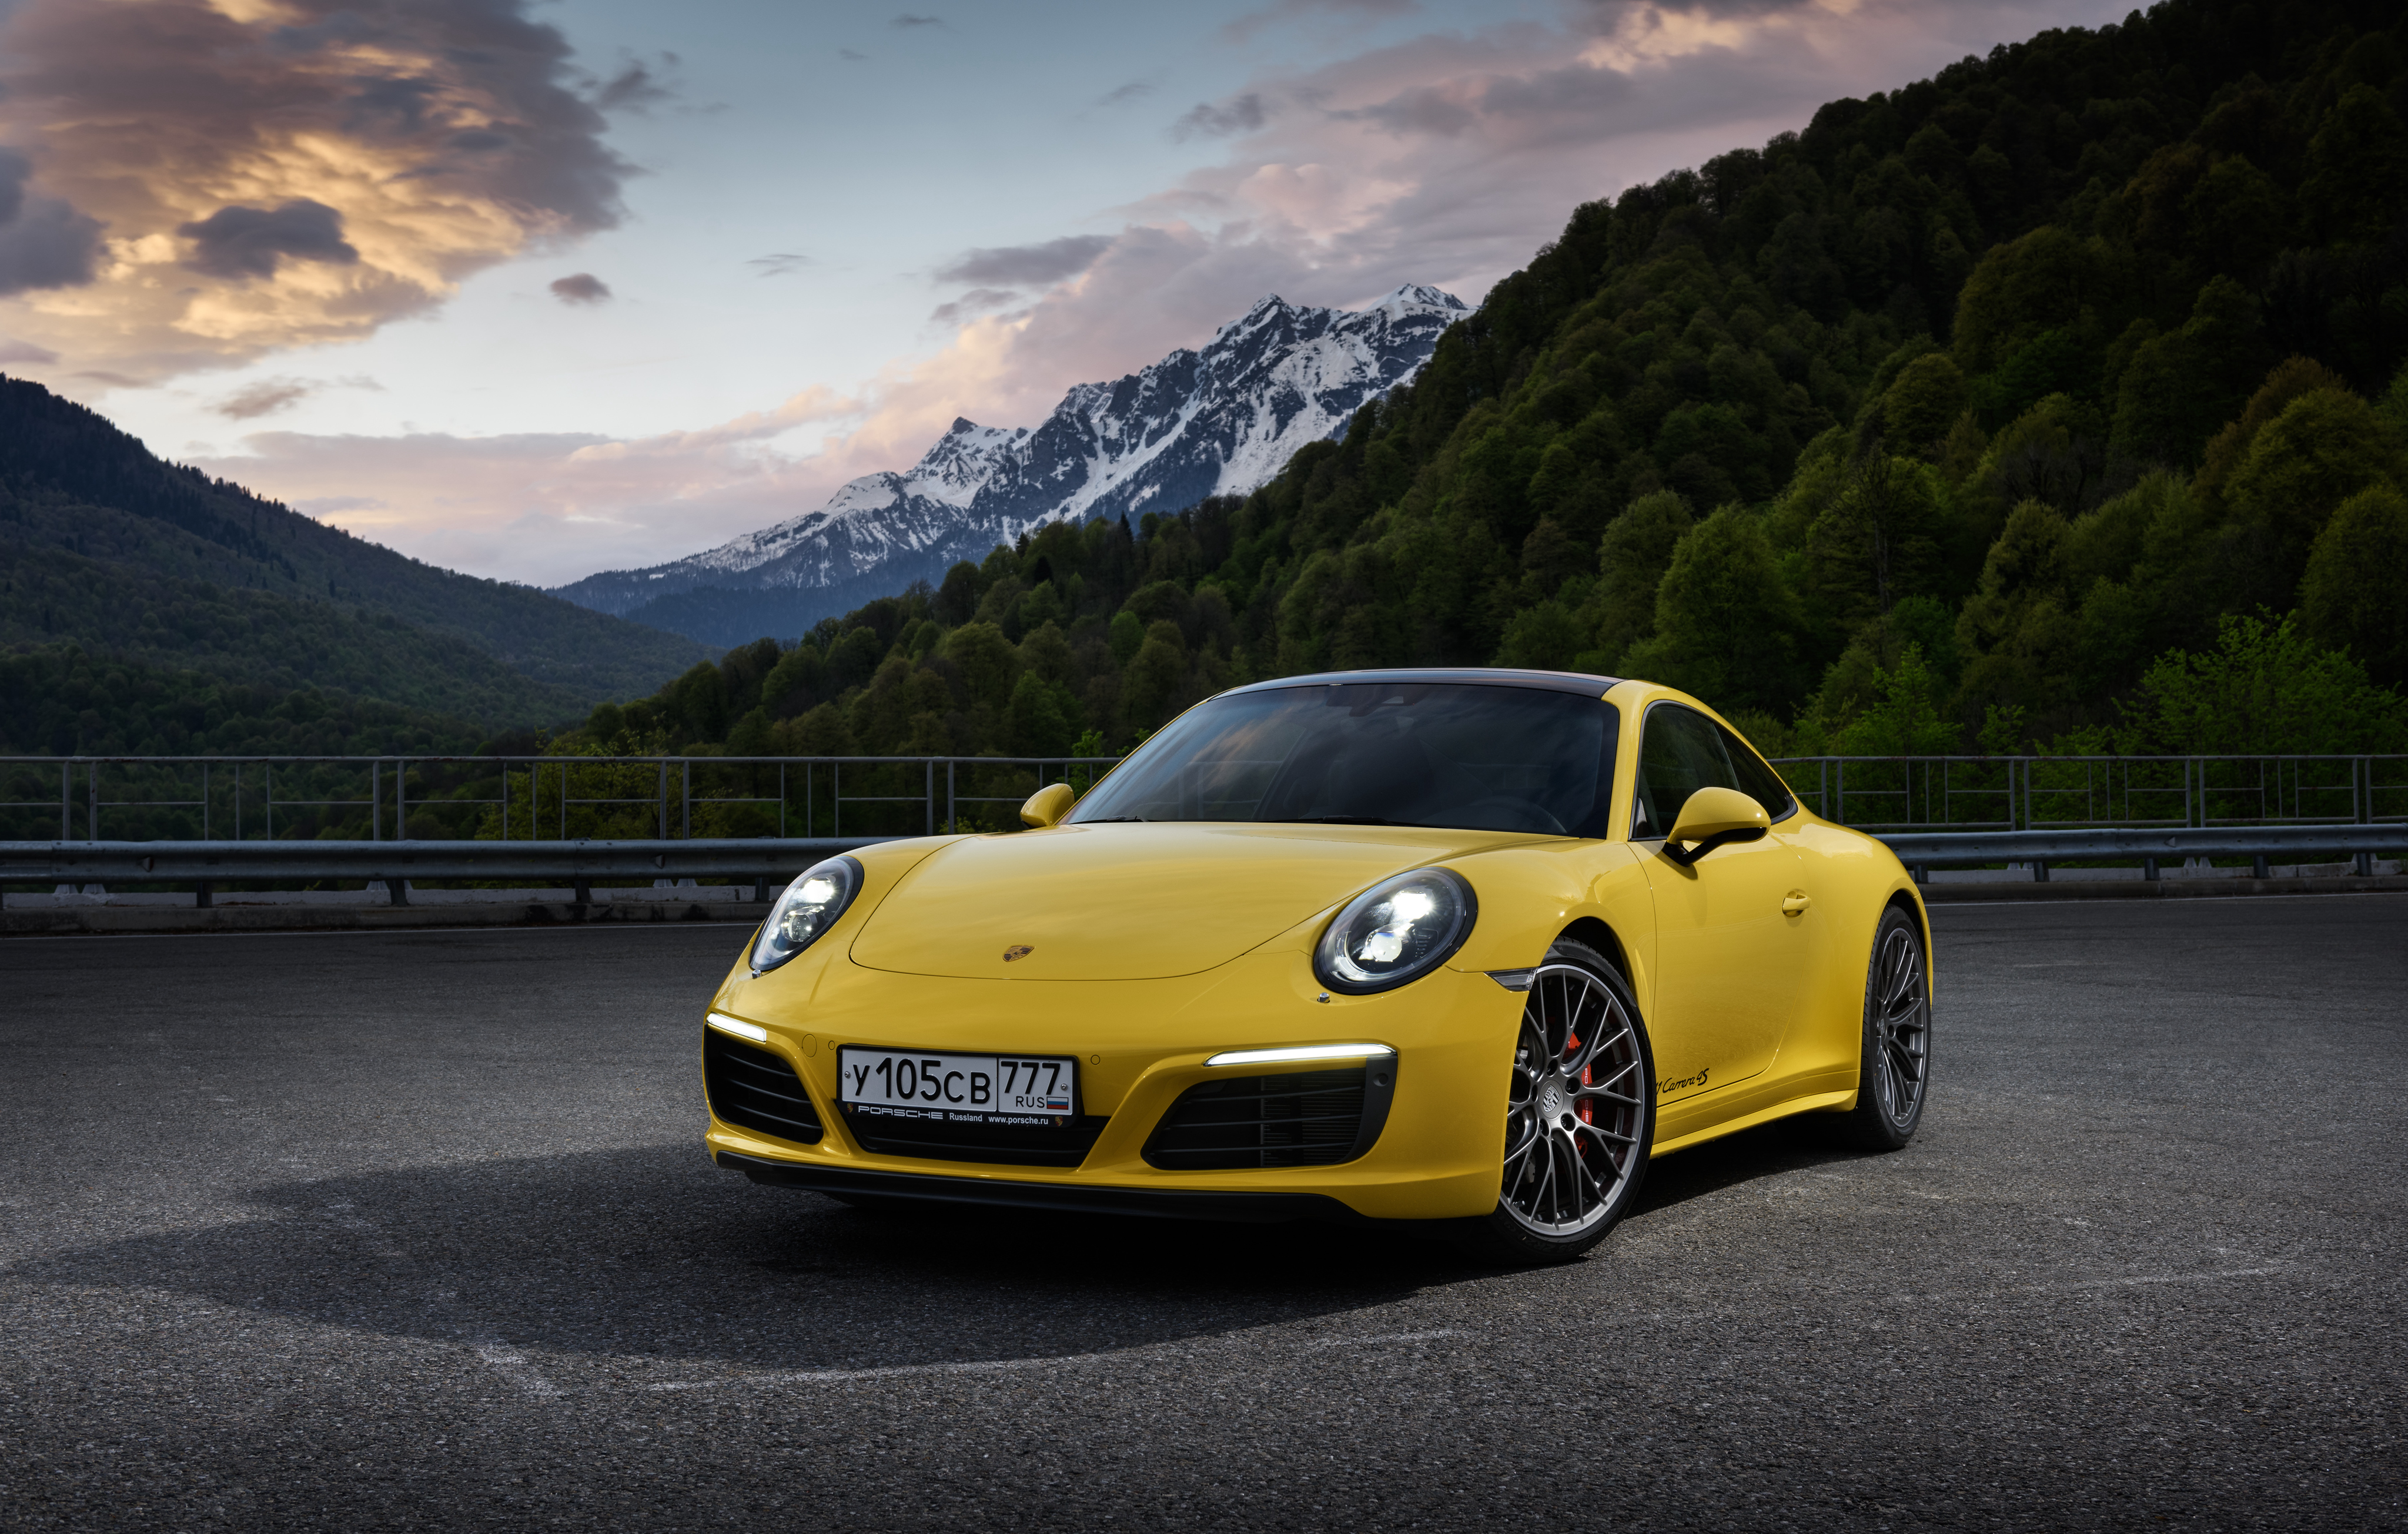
[(515, 1369), (490, 1348), (1002, 1366), (2077, 1286), (996, 1365), (1390, 1337), (836, 1376)]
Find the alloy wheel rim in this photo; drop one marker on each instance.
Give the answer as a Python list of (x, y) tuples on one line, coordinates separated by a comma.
[(1577, 1108), (1901, 1026)]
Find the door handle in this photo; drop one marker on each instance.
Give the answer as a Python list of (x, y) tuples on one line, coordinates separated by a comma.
[(1795, 903)]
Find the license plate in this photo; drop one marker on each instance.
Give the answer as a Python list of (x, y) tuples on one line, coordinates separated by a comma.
[(1023, 1090)]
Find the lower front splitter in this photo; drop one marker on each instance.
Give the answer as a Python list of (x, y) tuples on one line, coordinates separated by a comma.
[(1077, 1199)]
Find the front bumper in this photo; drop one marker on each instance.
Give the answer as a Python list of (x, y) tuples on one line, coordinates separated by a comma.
[(1143, 1043)]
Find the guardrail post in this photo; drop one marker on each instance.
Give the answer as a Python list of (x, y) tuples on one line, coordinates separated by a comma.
[(583, 894), (2149, 869), (201, 894), (2361, 772), (2040, 870), (2258, 866)]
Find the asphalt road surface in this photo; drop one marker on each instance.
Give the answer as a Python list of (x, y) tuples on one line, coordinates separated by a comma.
[(370, 1231)]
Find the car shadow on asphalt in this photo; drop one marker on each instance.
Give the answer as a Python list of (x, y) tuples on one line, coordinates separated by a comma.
[(653, 1252), (1767, 1151)]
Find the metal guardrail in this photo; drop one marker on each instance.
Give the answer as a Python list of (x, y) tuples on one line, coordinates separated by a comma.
[(1882, 794), (1922, 851), (514, 798), (758, 861), (763, 860)]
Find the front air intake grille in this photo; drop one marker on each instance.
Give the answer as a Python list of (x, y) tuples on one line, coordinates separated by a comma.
[(1303, 1118), (885, 1131), (754, 1089)]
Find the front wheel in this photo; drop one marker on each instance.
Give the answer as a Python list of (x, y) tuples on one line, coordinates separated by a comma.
[(1896, 1065), (1579, 1112)]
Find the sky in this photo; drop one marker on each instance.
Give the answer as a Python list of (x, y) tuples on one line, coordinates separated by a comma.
[(537, 288)]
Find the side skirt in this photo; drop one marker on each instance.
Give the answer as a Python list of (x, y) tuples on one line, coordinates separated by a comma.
[(1839, 1102)]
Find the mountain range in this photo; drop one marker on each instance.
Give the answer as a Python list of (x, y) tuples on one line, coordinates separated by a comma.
[(1220, 420), (105, 547)]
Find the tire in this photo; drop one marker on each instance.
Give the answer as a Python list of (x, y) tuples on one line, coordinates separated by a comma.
[(1580, 1113), (1894, 1069)]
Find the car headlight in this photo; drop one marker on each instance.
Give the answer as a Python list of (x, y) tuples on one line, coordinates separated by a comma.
[(1396, 931), (810, 906)]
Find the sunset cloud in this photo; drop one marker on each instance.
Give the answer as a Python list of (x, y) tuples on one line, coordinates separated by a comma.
[(205, 184), (581, 288), (1053, 261)]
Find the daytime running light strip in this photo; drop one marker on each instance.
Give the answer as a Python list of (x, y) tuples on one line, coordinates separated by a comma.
[(725, 1023), (1299, 1052)]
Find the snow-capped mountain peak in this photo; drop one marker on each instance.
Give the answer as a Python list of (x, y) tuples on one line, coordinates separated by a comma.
[(1221, 420)]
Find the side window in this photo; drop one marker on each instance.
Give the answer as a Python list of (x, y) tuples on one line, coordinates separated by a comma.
[(1757, 781), (1681, 751)]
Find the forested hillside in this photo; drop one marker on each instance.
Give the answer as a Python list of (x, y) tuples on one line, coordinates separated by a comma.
[(59, 698), (2056, 399), (104, 546)]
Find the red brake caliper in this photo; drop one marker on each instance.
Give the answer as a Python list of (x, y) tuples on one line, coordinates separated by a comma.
[(1571, 1041)]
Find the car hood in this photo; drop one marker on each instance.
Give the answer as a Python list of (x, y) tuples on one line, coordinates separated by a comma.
[(1131, 901)]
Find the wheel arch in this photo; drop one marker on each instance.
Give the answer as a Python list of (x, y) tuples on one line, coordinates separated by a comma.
[(1907, 901), (1597, 935)]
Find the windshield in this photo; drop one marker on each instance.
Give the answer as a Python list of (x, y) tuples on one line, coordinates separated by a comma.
[(1490, 758)]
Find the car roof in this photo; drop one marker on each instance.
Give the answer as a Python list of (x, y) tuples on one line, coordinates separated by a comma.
[(1477, 676)]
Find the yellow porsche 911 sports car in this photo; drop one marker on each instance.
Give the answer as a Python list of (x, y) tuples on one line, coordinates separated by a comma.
[(1462, 946)]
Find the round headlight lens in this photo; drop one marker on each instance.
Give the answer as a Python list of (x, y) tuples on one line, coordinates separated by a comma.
[(1395, 931), (810, 906)]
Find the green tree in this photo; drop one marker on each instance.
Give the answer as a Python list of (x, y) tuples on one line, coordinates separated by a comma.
[(1038, 718), (2355, 596), (1903, 718), (2265, 688), (1728, 629), (1157, 678), (1631, 559), (989, 663), (2324, 447), (2357, 165), (2179, 388), (1923, 403)]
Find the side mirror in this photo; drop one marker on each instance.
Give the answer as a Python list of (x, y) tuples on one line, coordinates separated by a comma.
[(1712, 817), (1048, 805)]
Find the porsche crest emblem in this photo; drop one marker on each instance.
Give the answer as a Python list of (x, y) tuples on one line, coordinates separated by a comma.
[(1017, 950)]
